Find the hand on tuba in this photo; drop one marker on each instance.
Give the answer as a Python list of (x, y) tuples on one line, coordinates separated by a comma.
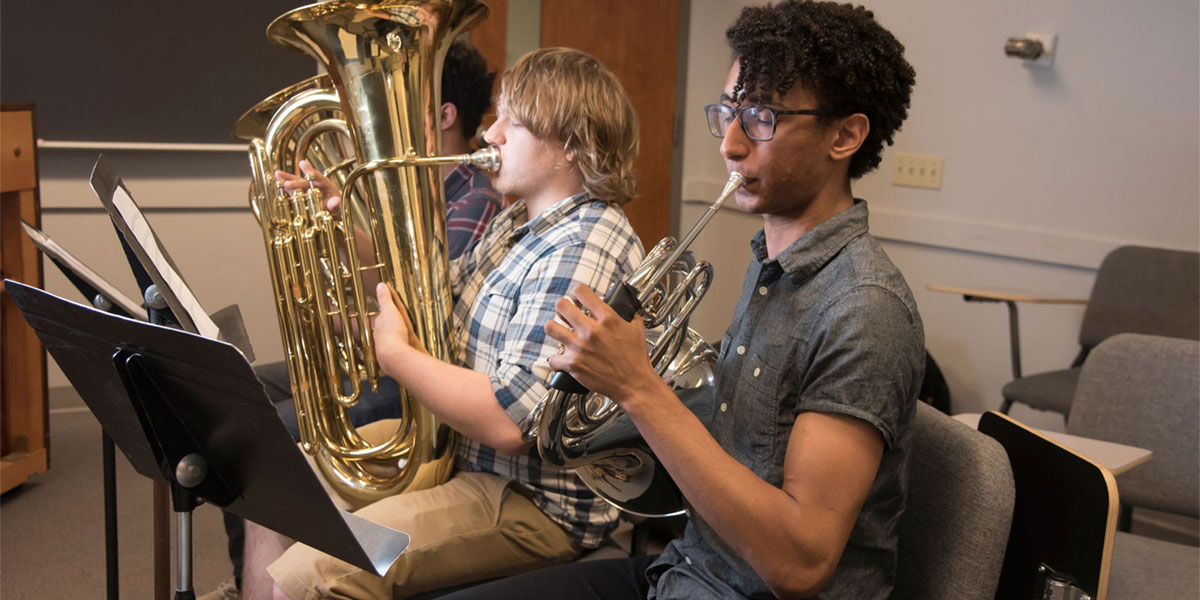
[(393, 330), (603, 351), (329, 190)]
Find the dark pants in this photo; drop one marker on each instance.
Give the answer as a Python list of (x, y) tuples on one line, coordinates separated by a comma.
[(613, 579), (371, 407)]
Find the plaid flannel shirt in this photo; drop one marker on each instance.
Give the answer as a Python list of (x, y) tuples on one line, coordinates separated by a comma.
[(505, 288), (470, 203)]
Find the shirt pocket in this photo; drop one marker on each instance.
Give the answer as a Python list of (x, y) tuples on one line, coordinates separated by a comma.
[(489, 323), (758, 410)]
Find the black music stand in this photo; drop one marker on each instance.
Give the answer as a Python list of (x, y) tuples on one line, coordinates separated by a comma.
[(168, 301), (188, 410)]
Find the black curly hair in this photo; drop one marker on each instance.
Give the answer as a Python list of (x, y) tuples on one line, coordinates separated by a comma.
[(839, 53), (467, 85)]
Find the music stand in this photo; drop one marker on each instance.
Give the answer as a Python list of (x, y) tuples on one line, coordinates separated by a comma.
[(188, 410), (168, 301)]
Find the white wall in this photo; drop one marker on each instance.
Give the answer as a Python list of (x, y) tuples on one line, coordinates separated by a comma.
[(197, 204), (1045, 170)]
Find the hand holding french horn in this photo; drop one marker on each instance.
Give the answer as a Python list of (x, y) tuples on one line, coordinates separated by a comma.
[(579, 423), (601, 350)]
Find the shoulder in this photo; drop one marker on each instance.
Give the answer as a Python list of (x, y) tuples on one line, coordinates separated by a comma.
[(863, 277), (597, 225)]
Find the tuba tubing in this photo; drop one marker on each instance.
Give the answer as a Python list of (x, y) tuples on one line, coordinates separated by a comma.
[(375, 107)]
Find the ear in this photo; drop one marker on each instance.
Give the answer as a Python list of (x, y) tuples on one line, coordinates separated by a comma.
[(848, 135), (449, 115), (568, 152)]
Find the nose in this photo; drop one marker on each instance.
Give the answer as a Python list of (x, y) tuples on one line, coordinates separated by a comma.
[(494, 134), (735, 145)]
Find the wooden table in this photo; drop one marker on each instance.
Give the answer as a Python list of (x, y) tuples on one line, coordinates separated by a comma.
[(1009, 298), (1003, 295)]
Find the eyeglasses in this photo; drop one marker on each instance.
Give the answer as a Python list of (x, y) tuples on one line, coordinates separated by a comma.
[(758, 122)]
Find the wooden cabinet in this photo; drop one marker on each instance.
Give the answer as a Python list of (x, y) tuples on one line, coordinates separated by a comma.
[(24, 416)]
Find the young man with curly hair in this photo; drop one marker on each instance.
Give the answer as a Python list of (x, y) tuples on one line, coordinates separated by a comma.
[(568, 140), (797, 486)]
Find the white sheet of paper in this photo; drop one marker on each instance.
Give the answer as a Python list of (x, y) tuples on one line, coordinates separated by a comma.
[(50, 247), (141, 230)]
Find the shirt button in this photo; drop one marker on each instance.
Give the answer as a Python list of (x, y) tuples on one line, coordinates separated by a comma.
[(724, 406), (688, 560), (741, 349), (762, 290), (757, 371)]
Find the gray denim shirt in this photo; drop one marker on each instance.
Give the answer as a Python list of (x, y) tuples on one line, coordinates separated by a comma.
[(830, 326)]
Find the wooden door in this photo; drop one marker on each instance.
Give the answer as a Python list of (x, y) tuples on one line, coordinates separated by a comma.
[(639, 42), (491, 39)]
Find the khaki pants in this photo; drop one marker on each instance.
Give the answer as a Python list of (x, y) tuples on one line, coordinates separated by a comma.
[(473, 527)]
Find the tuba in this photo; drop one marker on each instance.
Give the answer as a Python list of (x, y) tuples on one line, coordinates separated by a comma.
[(377, 107), (577, 429)]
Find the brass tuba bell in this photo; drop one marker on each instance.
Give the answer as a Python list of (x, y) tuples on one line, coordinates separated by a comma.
[(377, 107)]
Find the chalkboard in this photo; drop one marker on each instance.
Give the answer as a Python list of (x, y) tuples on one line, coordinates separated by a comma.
[(141, 70)]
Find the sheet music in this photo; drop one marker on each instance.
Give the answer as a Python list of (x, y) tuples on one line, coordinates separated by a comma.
[(51, 248), (145, 235)]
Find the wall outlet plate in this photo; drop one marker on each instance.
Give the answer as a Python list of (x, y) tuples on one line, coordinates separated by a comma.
[(918, 170)]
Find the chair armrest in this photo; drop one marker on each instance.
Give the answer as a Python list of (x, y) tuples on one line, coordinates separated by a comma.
[(1011, 298)]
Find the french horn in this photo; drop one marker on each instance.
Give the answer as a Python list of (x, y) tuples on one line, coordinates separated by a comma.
[(577, 429)]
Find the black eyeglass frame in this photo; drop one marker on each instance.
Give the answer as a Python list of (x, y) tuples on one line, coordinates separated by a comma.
[(774, 112)]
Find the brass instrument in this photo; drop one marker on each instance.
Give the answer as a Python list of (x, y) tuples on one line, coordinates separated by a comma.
[(379, 107), (577, 429)]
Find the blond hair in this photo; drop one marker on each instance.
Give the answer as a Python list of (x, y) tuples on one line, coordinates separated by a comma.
[(568, 97)]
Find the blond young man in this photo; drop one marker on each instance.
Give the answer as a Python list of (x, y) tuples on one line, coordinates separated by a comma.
[(567, 136)]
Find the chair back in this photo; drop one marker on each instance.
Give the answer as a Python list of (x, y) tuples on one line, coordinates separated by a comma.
[(960, 500), (1144, 290), (1144, 391)]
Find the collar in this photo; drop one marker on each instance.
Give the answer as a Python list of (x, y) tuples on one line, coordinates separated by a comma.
[(809, 254), (549, 217)]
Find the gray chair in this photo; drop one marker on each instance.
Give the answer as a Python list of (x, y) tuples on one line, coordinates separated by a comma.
[(960, 501), (1137, 290), (1144, 391)]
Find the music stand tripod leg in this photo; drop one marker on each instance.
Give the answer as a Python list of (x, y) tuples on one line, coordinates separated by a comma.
[(110, 517), (179, 456), (190, 470)]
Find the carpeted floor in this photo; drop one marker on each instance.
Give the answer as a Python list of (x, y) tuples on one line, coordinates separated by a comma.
[(52, 527)]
